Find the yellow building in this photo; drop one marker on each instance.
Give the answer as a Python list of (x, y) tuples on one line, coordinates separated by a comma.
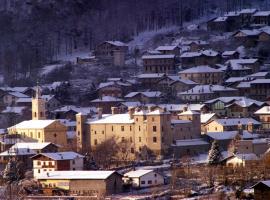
[(154, 129), (40, 129)]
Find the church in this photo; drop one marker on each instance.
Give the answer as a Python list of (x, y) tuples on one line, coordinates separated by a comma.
[(41, 129)]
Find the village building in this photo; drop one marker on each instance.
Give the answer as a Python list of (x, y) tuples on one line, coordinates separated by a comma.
[(234, 106), (174, 84), (219, 24), (10, 98), (52, 102), (264, 116), (39, 128), (59, 161), (23, 150), (107, 48), (106, 103), (201, 93), (113, 88), (154, 129), (205, 118), (262, 190), (240, 64), (82, 183), (195, 45), (249, 38), (202, 75), (233, 124), (70, 111), (229, 55), (262, 18), (143, 178), (145, 97), (149, 80), (205, 57), (169, 50), (159, 63), (242, 160)]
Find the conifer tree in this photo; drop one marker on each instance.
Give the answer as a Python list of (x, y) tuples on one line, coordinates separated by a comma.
[(214, 155)]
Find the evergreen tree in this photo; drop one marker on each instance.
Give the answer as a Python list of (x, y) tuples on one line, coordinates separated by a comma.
[(214, 155)]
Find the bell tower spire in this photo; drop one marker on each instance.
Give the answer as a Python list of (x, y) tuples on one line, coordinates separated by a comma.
[(38, 105)]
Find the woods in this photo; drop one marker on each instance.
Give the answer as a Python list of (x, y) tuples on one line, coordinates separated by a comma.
[(35, 33)]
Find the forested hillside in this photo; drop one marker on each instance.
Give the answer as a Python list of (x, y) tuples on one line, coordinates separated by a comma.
[(34, 32)]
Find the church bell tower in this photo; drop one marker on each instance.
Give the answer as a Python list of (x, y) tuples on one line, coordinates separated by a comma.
[(38, 106)]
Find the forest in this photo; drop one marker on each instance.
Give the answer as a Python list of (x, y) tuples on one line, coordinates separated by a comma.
[(34, 32)]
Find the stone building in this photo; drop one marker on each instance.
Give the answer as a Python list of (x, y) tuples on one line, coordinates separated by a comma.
[(153, 129)]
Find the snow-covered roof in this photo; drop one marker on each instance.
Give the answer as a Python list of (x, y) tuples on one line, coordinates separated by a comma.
[(201, 69), (84, 110), (243, 85), (248, 11), (18, 95), (113, 119), (19, 89), (240, 100), (33, 124), (263, 111), (166, 48), (235, 79), (31, 145), (117, 43), (157, 112), (253, 32), (228, 53), (150, 94), (47, 97), (18, 152), (232, 14), (76, 175), (236, 121), (247, 156), (176, 121), (229, 135), (14, 109), (221, 19), (153, 75), (131, 103), (246, 102), (107, 99), (205, 117), (191, 142), (66, 155), (159, 56), (137, 173), (189, 112), (190, 54), (260, 81), (258, 74), (24, 100), (180, 107), (206, 89), (262, 14), (267, 183), (113, 83), (239, 64)]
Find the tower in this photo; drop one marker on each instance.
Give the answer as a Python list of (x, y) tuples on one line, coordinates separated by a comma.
[(38, 106)]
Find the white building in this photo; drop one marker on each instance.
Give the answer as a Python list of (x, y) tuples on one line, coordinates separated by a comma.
[(143, 178)]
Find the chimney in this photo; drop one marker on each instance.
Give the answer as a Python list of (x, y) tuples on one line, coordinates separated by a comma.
[(250, 127), (99, 113), (150, 108), (114, 110), (131, 112), (184, 109)]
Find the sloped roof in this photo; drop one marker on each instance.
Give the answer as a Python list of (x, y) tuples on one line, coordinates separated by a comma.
[(200, 69), (205, 117), (67, 155), (113, 119), (33, 124), (76, 175), (263, 110), (137, 173), (159, 56), (236, 121)]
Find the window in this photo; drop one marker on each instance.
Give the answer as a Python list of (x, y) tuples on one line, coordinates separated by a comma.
[(39, 171), (35, 114), (130, 139), (38, 134), (153, 119), (73, 162), (155, 139), (55, 135), (139, 128), (38, 163), (130, 128), (95, 142), (122, 128), (41, 114), (149, 182), (140, 139), (154, 129), (95, 132), (79, 133), (112, 128), (155, 175), (123, 139), (132, 150), (103, 132), (136, 119), (142, 182)]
